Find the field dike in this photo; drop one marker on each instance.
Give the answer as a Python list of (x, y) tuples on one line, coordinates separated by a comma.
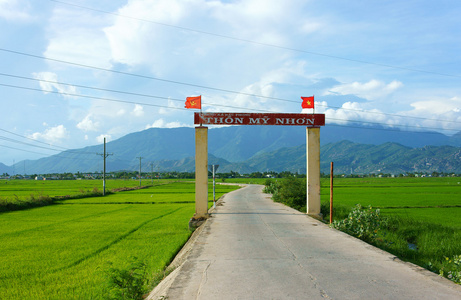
[(40, 200)]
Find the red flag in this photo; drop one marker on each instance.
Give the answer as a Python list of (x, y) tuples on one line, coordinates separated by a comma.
[(194, 102), (308, 102)]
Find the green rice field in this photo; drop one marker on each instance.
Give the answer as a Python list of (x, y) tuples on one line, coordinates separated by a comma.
[(424, 217), (434, 200), (25, 188), (65, 250)]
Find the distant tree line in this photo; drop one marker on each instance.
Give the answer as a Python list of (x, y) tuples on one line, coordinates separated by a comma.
[(224, 175)]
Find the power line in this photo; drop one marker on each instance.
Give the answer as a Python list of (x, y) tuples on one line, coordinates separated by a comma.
[(48, 155), (119, 92), (260, 43), (210, 104), (178, 108), (87, 96), (142, 76), (400, 126), (381, 129), (24, 143), (37, 146), (25, 137), (14, 148)]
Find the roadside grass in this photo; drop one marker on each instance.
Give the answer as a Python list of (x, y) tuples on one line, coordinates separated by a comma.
[(422, 217), (70, 251)]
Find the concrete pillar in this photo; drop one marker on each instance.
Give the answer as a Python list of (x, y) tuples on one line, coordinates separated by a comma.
[(201, 172), (313, 171)]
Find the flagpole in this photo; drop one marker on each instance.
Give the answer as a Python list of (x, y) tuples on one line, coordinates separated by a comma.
[(313, 109), (200, 111)]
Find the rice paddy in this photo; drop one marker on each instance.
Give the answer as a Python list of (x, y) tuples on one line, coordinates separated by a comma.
[(64, 250)]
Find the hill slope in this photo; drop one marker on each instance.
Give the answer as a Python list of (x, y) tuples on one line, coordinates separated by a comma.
[(234, 144), (355, 158)]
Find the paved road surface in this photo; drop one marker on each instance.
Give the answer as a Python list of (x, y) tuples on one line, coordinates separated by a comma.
[(253, 248)]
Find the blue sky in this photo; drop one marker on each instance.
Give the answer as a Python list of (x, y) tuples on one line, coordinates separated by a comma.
[(396, 63)]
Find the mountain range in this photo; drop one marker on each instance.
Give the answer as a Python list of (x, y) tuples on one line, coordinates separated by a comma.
[(247, 149)]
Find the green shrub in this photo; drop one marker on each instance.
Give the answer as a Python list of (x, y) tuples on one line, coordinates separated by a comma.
[(450, 268), (362, 223), (292, 192), (271, 186), (128, 283), (339, 211)]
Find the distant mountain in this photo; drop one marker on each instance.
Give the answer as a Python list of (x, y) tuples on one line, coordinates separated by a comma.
[(377, 135), (241, 147), (5, 169), (348, 158), (354, 158)]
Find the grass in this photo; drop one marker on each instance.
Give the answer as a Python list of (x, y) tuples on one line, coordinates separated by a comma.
[(65, 251), (24, 188), (391, 194)]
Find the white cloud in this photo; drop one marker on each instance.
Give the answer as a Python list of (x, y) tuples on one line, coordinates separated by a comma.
[(438, 106), (138, 110), (49, 82), (53, 134), (425, 115), (78, 38), (100, 138), (436, 113), (15, 10), (88, 125), (134, 43), (160, 123), (370, 90), (166, 50)]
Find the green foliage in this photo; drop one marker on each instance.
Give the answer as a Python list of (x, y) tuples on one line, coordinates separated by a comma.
[(290, 191), (339, 211), (451, 268), (362, 223), (448, 267), (128, 283), (271, 186), (17, 203)]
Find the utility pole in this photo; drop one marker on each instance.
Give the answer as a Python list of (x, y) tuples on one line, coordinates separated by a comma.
[(104, 155), (152, 173), (140, 169)]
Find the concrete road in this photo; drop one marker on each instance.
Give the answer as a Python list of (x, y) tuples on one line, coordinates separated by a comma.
[(253, 248)]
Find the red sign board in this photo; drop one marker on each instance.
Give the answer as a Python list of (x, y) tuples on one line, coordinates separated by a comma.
[(309, 120)]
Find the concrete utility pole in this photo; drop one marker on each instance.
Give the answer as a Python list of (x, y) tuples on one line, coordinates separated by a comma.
[(104, 155), (152, 173), (140, 169)]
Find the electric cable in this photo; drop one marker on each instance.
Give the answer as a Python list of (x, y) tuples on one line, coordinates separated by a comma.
[(219, 105), (260, 43), (179, 108)]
